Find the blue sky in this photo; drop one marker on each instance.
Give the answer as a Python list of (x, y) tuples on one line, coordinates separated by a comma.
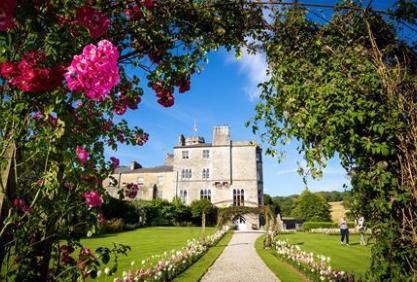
[(224, 93)]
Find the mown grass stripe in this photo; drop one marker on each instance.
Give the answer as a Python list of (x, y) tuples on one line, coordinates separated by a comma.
[(199, 268), (283, 270), (144, 242)]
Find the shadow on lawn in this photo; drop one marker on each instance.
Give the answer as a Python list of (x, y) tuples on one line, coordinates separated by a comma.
[(101, 236), (237, 244), (298, 243)]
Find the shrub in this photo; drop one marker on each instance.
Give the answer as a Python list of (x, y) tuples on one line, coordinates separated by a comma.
[(197, 207), (125, 210), (317, 224), (161, 212), (113, 225), (131, 226), (146, 210)]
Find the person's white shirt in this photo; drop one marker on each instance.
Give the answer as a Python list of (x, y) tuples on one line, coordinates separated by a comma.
[(343, 223), (361, 222)]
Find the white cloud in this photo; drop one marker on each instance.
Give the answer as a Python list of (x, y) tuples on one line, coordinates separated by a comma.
[(253, 66), (286, 171), (328, 171)]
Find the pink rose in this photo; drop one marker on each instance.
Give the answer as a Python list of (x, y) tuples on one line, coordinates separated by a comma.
[(93, 20), (37, 116), (21, 205), (6, 14), (95, 71), (93, 199), (131, 190), (82, 154), (115, 162)]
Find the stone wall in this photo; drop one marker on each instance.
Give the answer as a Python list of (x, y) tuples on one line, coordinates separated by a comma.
[(162, 182)]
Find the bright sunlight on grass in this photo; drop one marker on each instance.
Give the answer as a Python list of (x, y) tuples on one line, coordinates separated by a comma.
[(283, 270), (144, 242), (354, 258)]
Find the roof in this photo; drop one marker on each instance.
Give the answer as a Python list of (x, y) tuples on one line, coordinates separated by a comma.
[(233, 144), (162, 168), (194, 145)]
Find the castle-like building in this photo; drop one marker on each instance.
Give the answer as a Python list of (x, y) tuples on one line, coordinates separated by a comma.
[(226, 172)]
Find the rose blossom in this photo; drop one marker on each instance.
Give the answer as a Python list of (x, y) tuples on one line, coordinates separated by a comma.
[(107, 125), (101, 219), (120, 136), (8, 70), (184, 84), (142, 139), (115, 162), (27, 74), (37, 116), (133, 102), (164, 95), (65, 251), (131, 190), (149, 4), (133, 13), (93, 20), (93, 199), (119, 108), (82, 154), (21, 205), (95, 71), (6, 14)]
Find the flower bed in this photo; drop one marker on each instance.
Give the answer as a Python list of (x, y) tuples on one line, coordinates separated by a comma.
[(167, 266), (308, 225), (316, 266), (337, 231)]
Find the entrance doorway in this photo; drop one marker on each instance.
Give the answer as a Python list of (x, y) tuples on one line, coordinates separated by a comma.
[(240, 222)]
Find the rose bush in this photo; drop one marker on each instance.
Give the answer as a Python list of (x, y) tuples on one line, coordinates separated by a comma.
[(67, 68)]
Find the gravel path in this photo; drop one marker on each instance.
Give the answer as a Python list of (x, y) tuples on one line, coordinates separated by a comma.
[(240, 262)]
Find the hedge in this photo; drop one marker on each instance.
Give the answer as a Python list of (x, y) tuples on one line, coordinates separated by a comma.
[(308, 225)]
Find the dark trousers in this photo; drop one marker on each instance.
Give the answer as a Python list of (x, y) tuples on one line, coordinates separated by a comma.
[(345, 234)]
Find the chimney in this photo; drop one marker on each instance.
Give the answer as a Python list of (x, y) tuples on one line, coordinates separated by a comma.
[(169, 159), (134, 165), (181, 140), (221, 135)]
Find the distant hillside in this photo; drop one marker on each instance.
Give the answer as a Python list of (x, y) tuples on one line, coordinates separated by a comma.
[(285, 204)]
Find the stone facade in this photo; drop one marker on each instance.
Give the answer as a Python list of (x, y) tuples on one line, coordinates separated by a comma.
[(226, 172)]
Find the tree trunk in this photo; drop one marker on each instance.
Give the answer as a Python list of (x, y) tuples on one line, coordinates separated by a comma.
[(6, 192), (203, 224)]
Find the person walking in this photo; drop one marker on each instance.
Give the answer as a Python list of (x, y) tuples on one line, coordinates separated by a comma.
[(344, 231), (361, 228)]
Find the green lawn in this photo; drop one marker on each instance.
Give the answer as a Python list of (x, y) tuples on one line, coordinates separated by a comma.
[(283, 270), (198, 269), (353, 258), (145, 242)]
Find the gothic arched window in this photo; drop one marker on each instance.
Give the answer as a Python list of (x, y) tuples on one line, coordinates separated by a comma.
[(205, 194), (238, 197), (183, 196)]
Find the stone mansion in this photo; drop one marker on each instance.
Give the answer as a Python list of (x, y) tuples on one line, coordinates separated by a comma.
[(226, 172)]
